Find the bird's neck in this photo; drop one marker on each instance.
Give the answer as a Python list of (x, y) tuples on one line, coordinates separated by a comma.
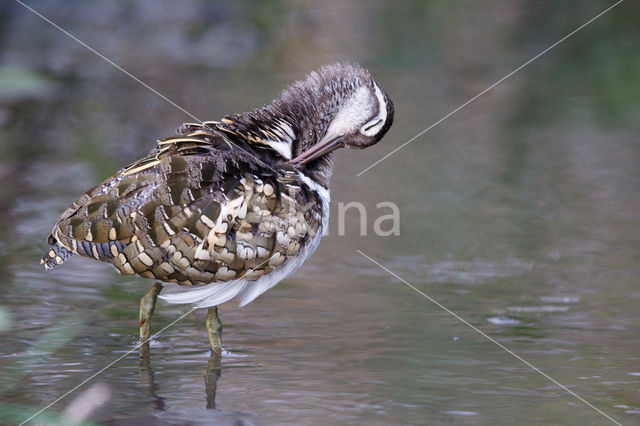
[(280, 132), (320, 170)]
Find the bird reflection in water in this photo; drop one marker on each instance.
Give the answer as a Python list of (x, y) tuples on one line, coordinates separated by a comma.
[(146, 377)]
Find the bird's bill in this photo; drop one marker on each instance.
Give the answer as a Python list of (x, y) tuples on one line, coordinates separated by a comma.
[(326, 145)]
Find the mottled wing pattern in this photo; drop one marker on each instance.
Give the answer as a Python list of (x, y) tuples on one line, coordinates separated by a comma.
[(261, 134), (191, 212)]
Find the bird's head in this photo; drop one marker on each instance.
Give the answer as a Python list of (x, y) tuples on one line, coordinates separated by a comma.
[(338, 106), (346, 109)]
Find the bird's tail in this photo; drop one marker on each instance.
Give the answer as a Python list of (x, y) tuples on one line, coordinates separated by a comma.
[(56, 255)]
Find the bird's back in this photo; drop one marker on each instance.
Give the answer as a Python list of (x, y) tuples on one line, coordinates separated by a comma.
[(196, 210)]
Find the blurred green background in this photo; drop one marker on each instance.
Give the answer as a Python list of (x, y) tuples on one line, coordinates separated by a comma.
[(519, 213)]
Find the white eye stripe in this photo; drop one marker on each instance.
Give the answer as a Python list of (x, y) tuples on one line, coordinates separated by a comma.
[(382, 104), (372, 129), (372, 123), (373, 126)]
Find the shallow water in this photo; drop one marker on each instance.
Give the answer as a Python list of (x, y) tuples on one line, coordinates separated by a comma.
[(519, 214)]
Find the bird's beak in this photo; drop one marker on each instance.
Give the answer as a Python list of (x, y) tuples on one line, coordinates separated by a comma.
[(328, 143)]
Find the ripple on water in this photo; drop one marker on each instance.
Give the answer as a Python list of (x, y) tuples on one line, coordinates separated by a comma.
[(476, 271), (533, 309), (461, 413), (502, 320), (560, 299)]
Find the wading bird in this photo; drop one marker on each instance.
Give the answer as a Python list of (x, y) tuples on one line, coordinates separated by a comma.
[(228, 208)]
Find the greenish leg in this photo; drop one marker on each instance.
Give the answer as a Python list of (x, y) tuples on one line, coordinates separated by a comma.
[(147, 305), (214, 328), (214, 368)]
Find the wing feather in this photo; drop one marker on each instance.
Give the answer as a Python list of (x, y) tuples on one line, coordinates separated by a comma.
[(193, 212)]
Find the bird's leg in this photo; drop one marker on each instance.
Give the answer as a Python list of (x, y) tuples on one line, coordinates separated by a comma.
[(147, 305), (214, 328)]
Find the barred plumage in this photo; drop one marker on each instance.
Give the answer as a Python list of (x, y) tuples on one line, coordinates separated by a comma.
[(236, 204)]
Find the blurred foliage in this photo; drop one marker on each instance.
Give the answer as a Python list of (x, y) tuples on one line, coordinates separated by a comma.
[(16, 413), (593, 69), (19, 84)]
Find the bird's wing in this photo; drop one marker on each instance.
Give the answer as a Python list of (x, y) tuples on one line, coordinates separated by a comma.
[(191, 212)]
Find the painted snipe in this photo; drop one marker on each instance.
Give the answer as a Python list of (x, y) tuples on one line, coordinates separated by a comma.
[(228, 208)]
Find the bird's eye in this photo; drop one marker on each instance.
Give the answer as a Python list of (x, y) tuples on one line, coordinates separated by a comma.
[(372, 127)]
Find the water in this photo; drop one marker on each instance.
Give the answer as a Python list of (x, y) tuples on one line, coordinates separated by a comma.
[(519, 213)]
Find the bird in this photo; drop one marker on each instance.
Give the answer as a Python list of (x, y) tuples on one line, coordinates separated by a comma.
[(227, 209)]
